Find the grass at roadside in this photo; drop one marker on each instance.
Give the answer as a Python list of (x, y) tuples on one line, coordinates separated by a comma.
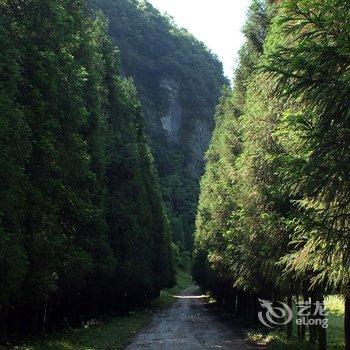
[(109, 335), (276, 340), (115, 333), (335, 332)]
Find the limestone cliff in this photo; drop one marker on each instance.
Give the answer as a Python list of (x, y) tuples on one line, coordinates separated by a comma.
[(179, 82)]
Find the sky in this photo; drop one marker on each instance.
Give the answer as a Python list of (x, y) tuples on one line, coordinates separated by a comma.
[(217, 23)]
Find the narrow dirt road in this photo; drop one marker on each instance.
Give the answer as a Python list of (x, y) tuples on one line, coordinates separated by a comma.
[(188, 325)]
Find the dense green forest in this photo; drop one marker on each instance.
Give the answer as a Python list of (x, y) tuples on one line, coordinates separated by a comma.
[(83, 229), (273, 218), (106, 111), (175, 76)]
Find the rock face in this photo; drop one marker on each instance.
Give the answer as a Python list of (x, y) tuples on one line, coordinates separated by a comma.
[(173, 126), (198, 145), (172, 119), (179, 82)]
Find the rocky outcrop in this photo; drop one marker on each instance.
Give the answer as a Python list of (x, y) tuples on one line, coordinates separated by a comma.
[(179, 82), (198, 144), (174, 121), (171, 120)]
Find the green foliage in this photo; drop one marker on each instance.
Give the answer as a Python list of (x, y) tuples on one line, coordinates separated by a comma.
[(14, 154), (83, 229), (312, 67), (274, 204), (228, 206)]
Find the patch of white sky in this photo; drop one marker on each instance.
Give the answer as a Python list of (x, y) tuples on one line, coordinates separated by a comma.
[(218, 23)]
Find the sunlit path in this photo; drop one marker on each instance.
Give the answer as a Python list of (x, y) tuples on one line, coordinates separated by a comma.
[(188, 325)]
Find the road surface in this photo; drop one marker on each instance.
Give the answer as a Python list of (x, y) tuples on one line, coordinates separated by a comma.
[(190, 324)]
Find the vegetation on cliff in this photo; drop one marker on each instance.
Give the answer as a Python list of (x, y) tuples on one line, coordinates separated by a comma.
[(273, 218), (179, 82)]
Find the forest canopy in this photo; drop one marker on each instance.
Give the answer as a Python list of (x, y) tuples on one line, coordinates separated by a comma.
[(83, 229), (273, 217)]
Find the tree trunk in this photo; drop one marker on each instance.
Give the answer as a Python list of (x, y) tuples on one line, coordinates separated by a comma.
[(322, 338), (312, 329), (34, 320), (347, 323), (321, 330), (303, 327), (235, 306), (289, 326), (44, 318), (241, 305), (17, 322), (251, 308), (3, 323)]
